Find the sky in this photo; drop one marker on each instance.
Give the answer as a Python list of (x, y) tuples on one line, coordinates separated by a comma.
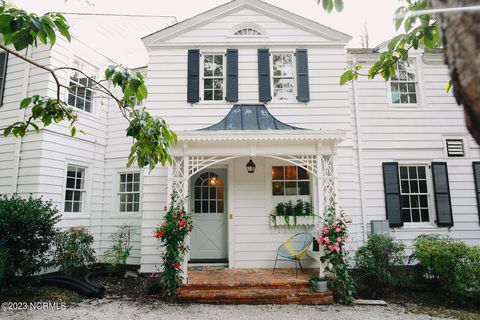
[(377, 14)]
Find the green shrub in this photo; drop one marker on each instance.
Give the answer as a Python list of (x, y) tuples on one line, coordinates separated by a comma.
[(449, 263), (27, 230), (376, 261), (3, 263), (120, 250), (74, 252)]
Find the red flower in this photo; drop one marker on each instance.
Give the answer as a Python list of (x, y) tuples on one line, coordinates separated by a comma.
[(190, 228), (165, 208), (176, 266), (159, 234), (179, 215), (182, 223)]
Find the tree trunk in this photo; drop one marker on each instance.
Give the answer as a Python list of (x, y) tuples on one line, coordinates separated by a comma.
[(461, 40)]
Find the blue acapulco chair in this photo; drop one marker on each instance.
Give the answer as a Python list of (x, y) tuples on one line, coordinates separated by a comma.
[(294, 248)]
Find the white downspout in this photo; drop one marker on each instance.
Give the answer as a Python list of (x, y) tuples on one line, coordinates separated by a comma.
[(360, 159), (18, 145)]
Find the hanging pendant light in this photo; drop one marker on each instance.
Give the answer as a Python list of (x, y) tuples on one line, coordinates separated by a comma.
[(251, 166)]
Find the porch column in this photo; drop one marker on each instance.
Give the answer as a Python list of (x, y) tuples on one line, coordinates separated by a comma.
[(186, 178), (326, 193)]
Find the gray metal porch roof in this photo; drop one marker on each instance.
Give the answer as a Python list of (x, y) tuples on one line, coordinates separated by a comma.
[(250, 117)]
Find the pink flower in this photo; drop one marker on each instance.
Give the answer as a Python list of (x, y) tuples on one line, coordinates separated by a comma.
[(339, 240), (325, 230), (338, 230), (334, 225), (165, 208), (337, 248), (326, 240), (331, 248)]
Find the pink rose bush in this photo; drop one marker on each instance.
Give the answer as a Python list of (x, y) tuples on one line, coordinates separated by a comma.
[(333, 238)]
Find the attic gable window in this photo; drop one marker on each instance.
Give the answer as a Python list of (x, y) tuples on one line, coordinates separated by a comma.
[(248, 32)]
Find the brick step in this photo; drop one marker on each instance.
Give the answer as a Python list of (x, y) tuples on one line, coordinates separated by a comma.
[(246, 285), (254, 296)]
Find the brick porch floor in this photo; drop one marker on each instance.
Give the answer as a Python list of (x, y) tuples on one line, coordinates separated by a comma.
[(251, 286)]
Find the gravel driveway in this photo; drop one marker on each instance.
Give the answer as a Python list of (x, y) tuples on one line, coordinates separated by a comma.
[(106, 309)]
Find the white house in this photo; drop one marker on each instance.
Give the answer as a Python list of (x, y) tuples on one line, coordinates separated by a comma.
[(251, 81)]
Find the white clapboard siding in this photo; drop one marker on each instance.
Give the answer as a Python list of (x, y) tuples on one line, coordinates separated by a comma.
[(416, 135)]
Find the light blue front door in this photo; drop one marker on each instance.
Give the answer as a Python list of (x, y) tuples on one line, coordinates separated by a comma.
[(209, 215)]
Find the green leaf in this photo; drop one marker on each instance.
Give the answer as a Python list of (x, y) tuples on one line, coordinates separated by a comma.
[(345, 77), (73, 131), (51, 35), (327, 5), (7, 131), (142, 93), (339, 5), (37, 129), (448, 86), (5, 23), (25, 102), (63, 28)]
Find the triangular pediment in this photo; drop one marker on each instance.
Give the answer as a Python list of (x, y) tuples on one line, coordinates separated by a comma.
[(221, 21)]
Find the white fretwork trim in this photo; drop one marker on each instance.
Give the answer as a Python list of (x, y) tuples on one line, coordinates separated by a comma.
[(307, 162), (328, 181), (198, 163)]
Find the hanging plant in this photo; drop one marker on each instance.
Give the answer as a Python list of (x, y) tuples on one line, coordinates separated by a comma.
[(177, 224)]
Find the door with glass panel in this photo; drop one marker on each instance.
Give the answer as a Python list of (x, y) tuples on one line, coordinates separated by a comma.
[(209, 216)]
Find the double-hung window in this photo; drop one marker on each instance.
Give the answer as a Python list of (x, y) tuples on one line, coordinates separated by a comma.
[(414, 193), (213, 76), (283, 76), (80, 93), (75, 189), (290, 181), (403, 84), (129, 192)]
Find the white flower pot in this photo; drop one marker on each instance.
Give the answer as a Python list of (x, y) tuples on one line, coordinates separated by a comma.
[(300, 221)]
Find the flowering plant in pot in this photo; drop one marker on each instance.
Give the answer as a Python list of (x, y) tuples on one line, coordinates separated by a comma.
[(319, 284), (176, 226)]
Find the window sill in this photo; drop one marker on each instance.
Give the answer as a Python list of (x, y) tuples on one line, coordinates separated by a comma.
[(420, 227), (83, 113), (406, 106), (126, 215), (218, 102)]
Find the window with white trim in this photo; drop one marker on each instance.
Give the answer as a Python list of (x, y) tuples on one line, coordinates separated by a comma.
[(414, 193), (129, 192), (290, 181), (283, 76), (213, 76), (403, 84), (80, 94), (75, 189)]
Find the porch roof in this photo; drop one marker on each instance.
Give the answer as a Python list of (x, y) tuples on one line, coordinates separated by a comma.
[(250, 117)]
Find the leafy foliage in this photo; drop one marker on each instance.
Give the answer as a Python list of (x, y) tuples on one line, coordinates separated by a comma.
[(3, 264), (376, 260), (27, 232), (420, 31), (450, 264), (152, 138), (74, 253), (177, 224), (333, 237), (329, 5), (120, 250)]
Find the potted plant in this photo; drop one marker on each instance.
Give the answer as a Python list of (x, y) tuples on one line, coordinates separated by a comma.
[(319, 284)]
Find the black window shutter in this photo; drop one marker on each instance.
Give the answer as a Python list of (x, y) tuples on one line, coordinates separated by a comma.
[(193, 84), (232, 75), (391, 187), (441, 189), (476, 177), (3, 73), (303, 86), (264, 91)]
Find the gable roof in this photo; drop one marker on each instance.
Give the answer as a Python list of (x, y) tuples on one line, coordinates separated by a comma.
[(250, 117), (257, 5)]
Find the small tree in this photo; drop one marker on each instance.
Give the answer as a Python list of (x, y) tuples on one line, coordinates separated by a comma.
[(74, 252), (177, 224), (27, 232), (120, 250)]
